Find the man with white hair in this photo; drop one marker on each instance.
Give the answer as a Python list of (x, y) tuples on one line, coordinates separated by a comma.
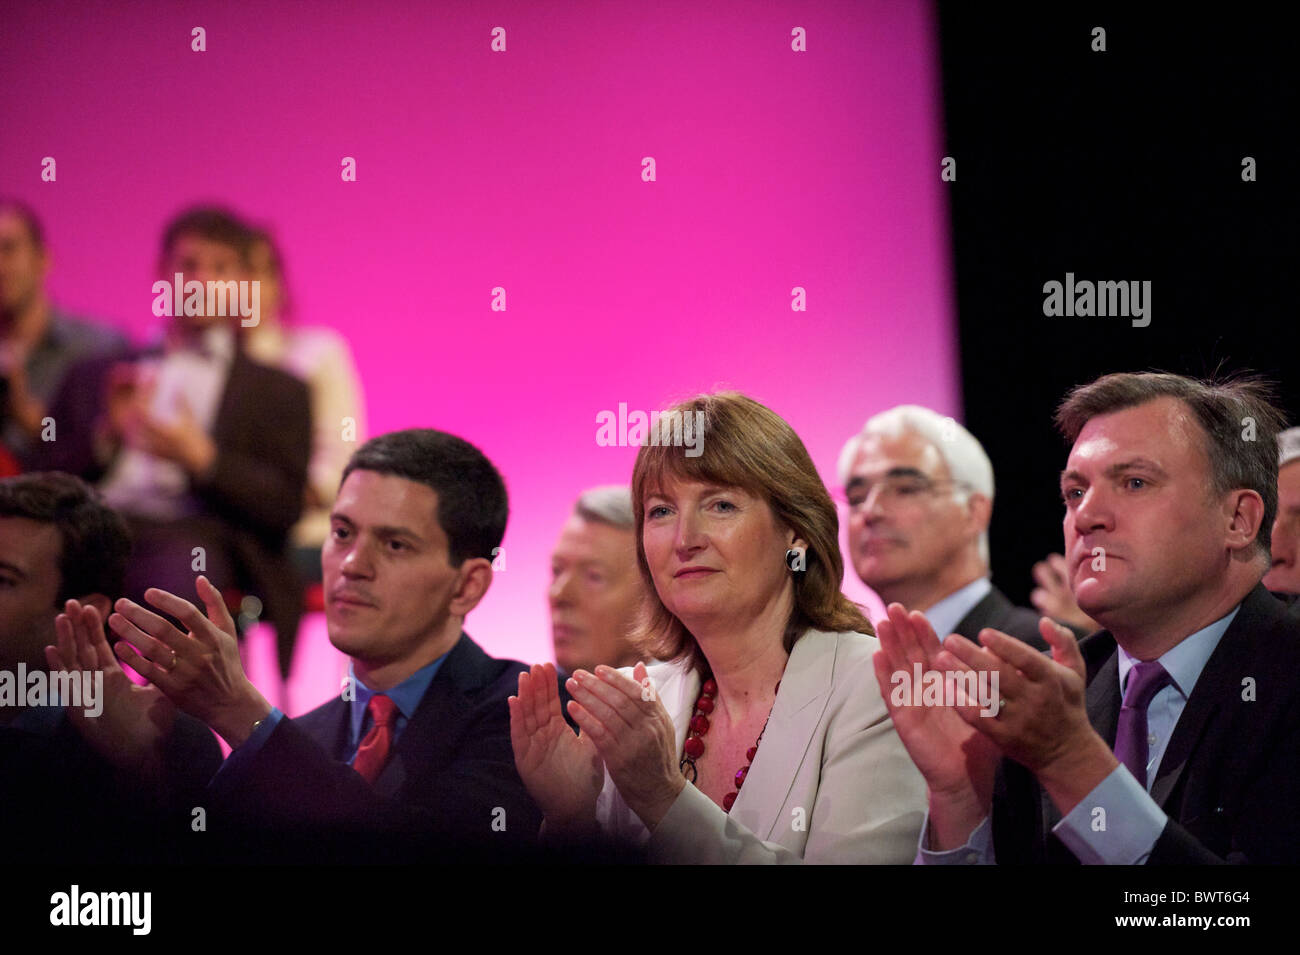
[(920, 494), (596, 589), (1283, 578)]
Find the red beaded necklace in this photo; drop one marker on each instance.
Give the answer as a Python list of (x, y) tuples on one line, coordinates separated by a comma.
[(693, 748)]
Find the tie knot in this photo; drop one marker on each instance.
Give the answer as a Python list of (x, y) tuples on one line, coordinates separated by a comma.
[(1145, 680), (382, 709)]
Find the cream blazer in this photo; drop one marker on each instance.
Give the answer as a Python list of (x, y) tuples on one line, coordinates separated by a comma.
[(831, 782)]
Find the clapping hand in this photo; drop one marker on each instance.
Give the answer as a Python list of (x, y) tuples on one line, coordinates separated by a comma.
[(135, 721), (199, 671), (634, 735), (561, 770), (957, 761)]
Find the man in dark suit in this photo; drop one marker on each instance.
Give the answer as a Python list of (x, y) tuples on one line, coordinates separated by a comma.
[(414, 759), (73, 779), (202, 449), (920, 493), (1173, 736)]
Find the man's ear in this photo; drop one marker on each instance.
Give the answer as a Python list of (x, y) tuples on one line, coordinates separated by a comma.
[(979, 511), (1245, 509), (475, 579)]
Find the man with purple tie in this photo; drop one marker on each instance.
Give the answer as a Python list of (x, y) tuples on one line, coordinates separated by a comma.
[(1173, 735)]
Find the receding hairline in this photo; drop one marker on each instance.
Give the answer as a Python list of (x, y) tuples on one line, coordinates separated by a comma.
[(1184, 414)]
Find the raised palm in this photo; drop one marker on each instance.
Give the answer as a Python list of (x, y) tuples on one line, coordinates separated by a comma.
[(135, 720), (562, 770), (950, 753)]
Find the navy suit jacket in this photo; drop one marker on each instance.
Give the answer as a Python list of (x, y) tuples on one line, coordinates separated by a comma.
[(61, 801), (450, 784), (1230, 777)]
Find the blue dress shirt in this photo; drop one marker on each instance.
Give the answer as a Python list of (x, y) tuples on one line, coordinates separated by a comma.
[(406, 695)]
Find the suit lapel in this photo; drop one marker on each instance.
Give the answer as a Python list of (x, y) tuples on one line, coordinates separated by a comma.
[(1103, 700), (978, 617), (430, 738), (800, 703), (1219, 680), (328, 727)]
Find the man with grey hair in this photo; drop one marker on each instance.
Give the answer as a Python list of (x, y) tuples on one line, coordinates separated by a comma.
[(596, 589), (1283, 577), (920, 493)]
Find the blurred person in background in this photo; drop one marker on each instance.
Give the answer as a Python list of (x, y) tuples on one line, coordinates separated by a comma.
[(1283, 577), (203, 450), (322, 358), (39, 341), (920, 493), (596, 589)]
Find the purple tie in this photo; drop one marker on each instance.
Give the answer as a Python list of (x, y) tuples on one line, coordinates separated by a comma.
[(1145, 680)]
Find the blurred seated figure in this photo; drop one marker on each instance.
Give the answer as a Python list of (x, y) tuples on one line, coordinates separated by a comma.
[(920, 493), (202, 449), (322, 358), (38, 341), (1283, 577), (78, 772), (596, 589)]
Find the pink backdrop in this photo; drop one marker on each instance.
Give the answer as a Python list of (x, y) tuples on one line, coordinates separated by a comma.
[(523, 170)]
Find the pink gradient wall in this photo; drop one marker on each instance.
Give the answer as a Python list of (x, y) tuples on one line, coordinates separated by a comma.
[(522, 170)]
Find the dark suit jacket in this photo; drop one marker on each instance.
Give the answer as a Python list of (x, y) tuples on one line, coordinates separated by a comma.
[(450, 776), (996, 611), (263, 436), (1290, 601), (61, 801), (1230, 777)]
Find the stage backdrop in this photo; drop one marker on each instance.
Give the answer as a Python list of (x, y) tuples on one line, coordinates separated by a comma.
[(523, 170)]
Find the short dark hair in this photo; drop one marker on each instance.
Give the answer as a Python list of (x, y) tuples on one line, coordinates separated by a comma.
[(209, 222), (1227, 409), (95, 539), (472, 504), (25, 212)]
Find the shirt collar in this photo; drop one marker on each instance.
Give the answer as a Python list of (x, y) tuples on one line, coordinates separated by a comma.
[(1185, 660), (948, 612), (407, 694)]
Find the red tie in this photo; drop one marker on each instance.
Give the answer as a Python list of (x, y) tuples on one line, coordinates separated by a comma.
[(373, 752)]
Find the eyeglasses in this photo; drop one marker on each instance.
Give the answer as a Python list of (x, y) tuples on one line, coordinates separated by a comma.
[(894, 490)]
